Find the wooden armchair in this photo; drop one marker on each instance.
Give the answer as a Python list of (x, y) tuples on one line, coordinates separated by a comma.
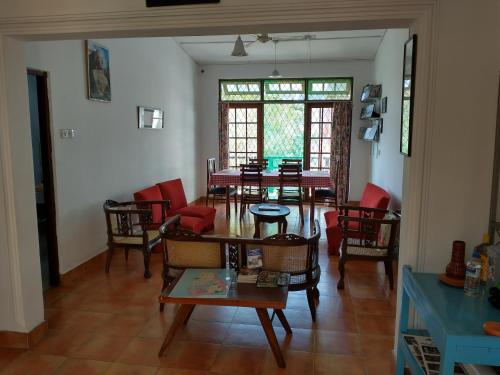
[(130, 226), (367, 234)]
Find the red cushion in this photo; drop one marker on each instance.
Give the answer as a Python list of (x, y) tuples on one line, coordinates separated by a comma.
[(197, 211), (174, 192), (151, 194), (194, 224), (374, 197)]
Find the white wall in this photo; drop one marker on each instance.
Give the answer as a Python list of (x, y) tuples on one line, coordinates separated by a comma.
[(361, 71), (386, 160), (110, 157), (460, 157)]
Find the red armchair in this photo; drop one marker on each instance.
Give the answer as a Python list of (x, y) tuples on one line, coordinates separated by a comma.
[(198, 219), (373, 197)]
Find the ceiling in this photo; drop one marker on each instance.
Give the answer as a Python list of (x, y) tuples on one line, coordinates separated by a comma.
[(322, 46)]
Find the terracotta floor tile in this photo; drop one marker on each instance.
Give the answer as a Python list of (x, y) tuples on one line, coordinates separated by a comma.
[(245, 335), (329, 364), (245, 315), (190, 355), (8, 355), (376, 346), (82, 367), (122, 325), (300, 339), (337, 343), (173, 371), (201, 331), (342, 322), (61, 342), (297, 363), (101, 348), (123, 369), (31, 363), (373, 306), (214, 314), (380, 365), (375, 325), (76, 320), (157, 326), (239, 360)]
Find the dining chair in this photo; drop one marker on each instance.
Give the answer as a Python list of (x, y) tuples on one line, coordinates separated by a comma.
[(291, 161), (251, 186), (328, 196), (218, 193), (290, 190), (262, 161)]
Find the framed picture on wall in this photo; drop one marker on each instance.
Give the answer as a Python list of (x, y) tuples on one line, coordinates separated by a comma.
[(409, 62), (150, 118), (98, 77)]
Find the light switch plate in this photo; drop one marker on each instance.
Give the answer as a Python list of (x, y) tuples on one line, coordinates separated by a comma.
[(67, 133)]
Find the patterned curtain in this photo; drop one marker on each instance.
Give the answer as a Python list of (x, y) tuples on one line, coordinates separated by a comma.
[(223, 136), (341, 146)]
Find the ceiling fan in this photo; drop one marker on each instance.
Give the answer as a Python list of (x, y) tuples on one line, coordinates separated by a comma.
[(239, 45)]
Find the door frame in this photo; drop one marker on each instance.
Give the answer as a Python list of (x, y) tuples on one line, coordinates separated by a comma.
[(48, 171)]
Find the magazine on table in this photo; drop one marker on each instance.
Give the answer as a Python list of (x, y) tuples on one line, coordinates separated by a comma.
[(268, 207)]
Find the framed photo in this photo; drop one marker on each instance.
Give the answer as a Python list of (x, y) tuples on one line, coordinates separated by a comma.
[(98, 78), (371, 92), (383, 105), (368, 112), (150, 118), (409, 62)]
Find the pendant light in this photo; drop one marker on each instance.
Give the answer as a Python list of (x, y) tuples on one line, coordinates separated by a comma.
[(239, 48), (275, 73)]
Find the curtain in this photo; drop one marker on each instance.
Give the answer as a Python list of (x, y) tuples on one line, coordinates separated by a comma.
[(341, 149), (223, 136)]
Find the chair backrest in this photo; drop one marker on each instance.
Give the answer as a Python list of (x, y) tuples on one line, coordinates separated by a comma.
[(291, 161), (126, 220), (374, 197), (291, 253), (251, 175), (174, 192), (290, 175), (210, 169), (263, 162), (151, 193)]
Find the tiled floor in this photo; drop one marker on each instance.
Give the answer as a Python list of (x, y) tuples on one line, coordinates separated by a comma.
[(110, 324)]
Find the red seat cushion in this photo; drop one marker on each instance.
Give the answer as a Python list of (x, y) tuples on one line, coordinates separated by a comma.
[(152, 193), (205, 214), (174, 192), (374, 197), (194, 224)]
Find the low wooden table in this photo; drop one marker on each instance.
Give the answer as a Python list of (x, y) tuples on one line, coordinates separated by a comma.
[(240, 295), (267, 216)]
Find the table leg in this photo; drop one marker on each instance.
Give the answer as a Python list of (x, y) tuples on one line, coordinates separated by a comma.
[(281, 316), (257, 227), (228, 205), (311, 206), (188, 316), (271, 336), (181, 316), (284, 226)]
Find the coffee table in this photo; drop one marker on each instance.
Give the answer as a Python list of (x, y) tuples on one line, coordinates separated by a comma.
[(240, 295), (267, 216)]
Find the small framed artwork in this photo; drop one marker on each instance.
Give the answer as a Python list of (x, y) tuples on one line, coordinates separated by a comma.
[(368, 112), (409, 62), (150, 118), (371, 92), (383, 105), (98, 77), (379, 123), (370, 133)]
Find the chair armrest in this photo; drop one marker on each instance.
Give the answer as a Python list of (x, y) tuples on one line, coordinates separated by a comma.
[(368, 220), (351, 203), (360, 208), (173, 220)]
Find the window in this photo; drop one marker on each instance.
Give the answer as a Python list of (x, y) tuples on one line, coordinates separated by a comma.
[(244, 133), (237, 91), (320, 138), (329, 89), (284, 90)]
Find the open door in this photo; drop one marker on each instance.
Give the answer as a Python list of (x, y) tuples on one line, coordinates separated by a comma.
[(43, 176)]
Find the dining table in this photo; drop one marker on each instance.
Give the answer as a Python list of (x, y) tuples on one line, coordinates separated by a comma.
[(310, 180)]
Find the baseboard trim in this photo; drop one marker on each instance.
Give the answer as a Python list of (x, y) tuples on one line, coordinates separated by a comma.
[(23, 340), (82, 268)]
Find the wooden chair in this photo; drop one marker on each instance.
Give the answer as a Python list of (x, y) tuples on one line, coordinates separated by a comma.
[(130, 226), (366, 237), (328, 196), (218, 193), (297, 256), (290, 190), (251, 186), (261, 161), (291, 161)]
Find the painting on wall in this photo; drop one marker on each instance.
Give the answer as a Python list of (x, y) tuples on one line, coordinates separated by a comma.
[(150, 118), (409, 61), (98, 78)]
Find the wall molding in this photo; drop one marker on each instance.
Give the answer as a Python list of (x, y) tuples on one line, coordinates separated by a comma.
[(23, 340)]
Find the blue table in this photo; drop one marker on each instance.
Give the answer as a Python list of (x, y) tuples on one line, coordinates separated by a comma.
[(453, 320)]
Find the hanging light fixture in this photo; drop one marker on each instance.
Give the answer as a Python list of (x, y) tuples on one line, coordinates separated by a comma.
[(275, 73), (239, 48)]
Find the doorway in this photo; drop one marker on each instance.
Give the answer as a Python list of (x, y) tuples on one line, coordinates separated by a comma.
[(43, 176)]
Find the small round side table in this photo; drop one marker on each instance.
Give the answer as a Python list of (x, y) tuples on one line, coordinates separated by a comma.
[(278, 215)]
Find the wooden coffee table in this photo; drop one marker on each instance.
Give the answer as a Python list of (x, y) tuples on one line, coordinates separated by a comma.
[(268, 216), (240, 295)]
